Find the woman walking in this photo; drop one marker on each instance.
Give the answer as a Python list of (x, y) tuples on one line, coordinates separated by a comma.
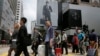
[(13, 39)]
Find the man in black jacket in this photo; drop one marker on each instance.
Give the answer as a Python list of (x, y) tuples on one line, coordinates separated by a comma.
[(20, 40)]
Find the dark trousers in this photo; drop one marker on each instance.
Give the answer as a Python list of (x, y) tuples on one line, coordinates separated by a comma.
[(21, 48), (75, 48), (48, 50), (47, 46), (87, 48), (34, 48), (64, 45)]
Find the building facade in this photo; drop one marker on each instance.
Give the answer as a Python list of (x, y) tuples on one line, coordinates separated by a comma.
[(7, 16), (13, 6), (90, 13), (19, 10)]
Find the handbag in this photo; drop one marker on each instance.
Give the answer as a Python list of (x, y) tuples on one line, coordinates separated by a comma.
[(27, 40)]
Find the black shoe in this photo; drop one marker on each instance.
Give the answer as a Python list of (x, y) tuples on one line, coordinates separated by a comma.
[(77, 52), (73, 52), (66, 53), (82, 53)]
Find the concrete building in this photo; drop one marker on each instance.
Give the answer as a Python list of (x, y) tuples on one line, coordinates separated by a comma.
[(19, 10), (90, 14), (7, 16), (13, 6)]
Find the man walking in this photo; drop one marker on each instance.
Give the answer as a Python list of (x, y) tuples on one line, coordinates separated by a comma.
[(64, 42), (20, 40), (93, 39), (81, 37), (49, 36)]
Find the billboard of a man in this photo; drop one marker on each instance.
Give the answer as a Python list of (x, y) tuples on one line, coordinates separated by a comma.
[(47, 11)]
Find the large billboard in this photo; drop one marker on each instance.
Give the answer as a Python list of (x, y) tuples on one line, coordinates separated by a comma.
[(47, 10)]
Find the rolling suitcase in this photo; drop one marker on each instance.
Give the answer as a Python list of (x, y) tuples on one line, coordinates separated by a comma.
[(58, 52)]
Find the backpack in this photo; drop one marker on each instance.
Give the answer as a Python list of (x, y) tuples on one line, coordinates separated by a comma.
[(82, 37), (27, 40)]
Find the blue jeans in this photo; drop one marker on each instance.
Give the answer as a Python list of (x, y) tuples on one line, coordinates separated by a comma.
[(51, 53)]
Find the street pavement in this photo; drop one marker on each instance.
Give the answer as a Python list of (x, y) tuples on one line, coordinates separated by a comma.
[(4, 52)]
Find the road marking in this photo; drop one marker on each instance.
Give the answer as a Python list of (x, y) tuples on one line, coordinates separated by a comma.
[(70, 54), (5, 54)]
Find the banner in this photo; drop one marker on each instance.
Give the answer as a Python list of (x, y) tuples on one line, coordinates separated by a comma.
[(47, 10)]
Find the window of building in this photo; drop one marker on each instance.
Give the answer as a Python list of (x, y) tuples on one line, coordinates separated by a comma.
[(75, 1), (17, 11), (85, 1), (18, 4), (3, 18), (12, 20), (7, 11), (17, 17), (80, 1), (17, 14)]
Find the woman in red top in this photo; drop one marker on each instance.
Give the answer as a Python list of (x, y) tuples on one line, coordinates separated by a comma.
[(75, 44)]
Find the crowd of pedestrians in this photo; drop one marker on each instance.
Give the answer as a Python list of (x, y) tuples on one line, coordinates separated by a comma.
[(81, 42)]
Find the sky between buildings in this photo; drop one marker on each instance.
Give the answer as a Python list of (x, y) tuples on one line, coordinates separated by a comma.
[(29, 7)]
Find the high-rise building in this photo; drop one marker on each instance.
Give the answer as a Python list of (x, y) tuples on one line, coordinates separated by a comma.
[(13, 6), (19, 10), (7, 15)]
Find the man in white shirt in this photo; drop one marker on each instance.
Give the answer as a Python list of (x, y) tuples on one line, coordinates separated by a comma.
[(64, 42)]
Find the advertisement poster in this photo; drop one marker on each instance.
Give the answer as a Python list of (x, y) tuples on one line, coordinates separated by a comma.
[(47, 10)]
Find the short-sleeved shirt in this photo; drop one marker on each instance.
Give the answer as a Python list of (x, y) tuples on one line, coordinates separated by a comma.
[(80, 36), (64, 37)]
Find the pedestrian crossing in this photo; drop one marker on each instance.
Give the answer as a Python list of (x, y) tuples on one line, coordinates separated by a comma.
[(5, 54), (70, 54)]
